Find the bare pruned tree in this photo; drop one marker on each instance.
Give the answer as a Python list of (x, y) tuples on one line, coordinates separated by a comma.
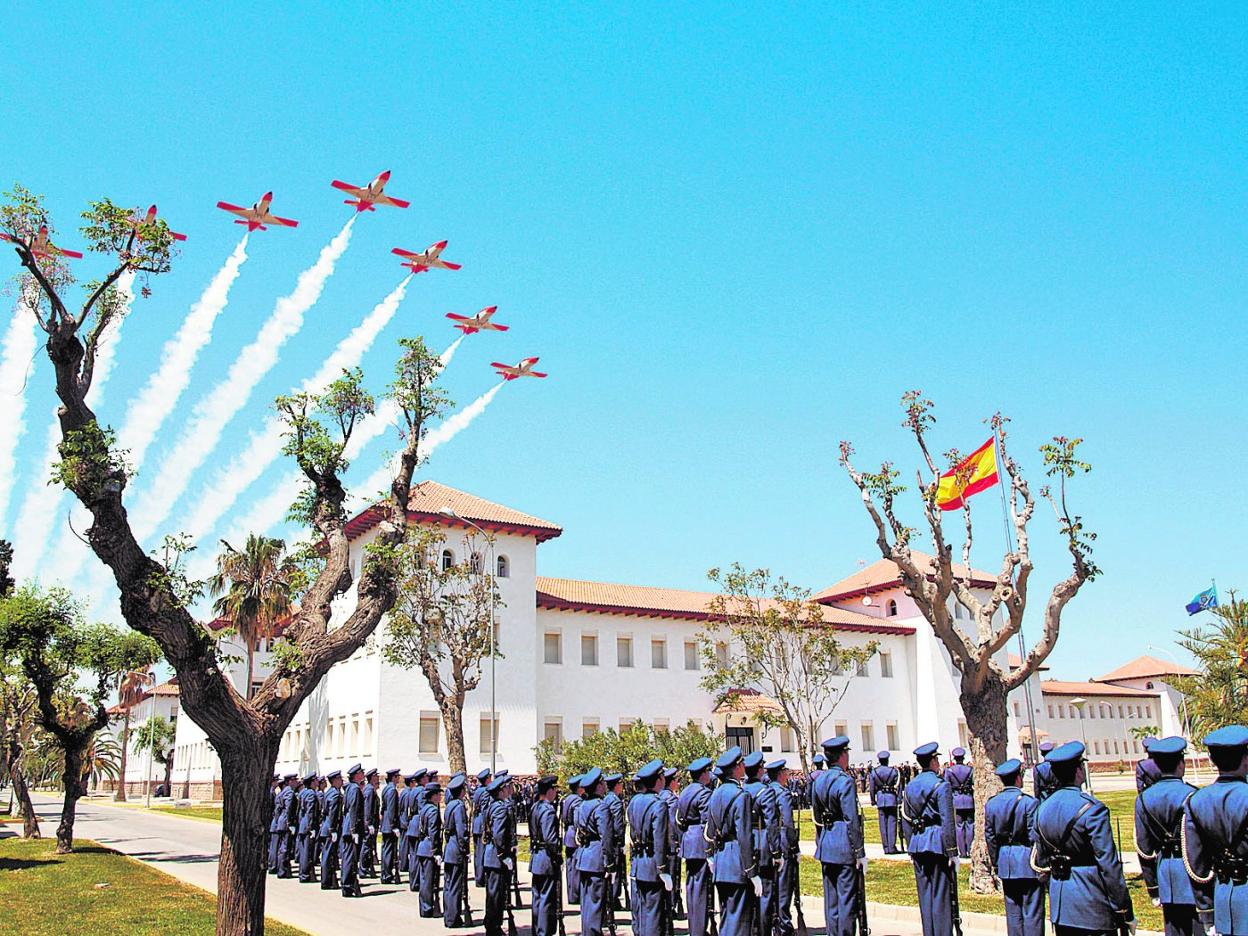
[(997, 616)]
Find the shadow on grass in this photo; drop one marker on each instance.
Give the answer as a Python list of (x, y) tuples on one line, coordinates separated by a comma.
[(25, 864)]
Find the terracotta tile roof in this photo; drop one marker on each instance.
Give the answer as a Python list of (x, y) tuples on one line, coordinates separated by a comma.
[(1058, 687), (606, 598), (428, 498), (1146, 667), (884, 574), (169, 688), (746, 702)]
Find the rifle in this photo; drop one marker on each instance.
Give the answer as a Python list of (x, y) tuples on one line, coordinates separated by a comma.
[(860, 882), (608, 881), (711, 921), (797, 880), (511, 916), (559, 894), (953, 899), (464, 895)]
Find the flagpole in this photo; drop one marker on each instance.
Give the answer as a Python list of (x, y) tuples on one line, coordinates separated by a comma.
[(1022, 643)]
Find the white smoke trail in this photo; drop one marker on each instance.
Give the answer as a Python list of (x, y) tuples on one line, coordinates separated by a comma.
[(147, 412), (449, 353), (37, 517), (213, 412), (15, 359), (266, 445)]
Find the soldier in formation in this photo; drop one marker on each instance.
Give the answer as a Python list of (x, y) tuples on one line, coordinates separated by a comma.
[(546, 858), (1008, 820), (961, 777), (595, 839), (498, 837), (649, 870), (928, 826), (1158, 835), (884, 786), (691, 808)]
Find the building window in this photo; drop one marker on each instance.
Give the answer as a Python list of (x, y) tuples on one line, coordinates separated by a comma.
[(626, 724), (963, 737), (448, 560), (892, 607), (589, 649), (1121, 713), (488, 743), (552, 647), (691, 656), (787, 745), (1017, 710), (502, 568), (868, 737), (840, 728), (624, 652), (890, 730), (1050, 711), (589, 727), (721, 654), (1061, 711), (474, 563), (428, 734), (862, 668), (552, 731), (1091, 711), (658, 653), (662, 726), (886, 664), (1096, 747), (367, 746)]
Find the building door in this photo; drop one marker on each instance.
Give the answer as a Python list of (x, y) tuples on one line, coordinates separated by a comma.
[(742, 738)]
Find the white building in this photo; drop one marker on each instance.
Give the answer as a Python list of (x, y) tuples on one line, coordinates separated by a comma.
[(580, 657), (143, 770)]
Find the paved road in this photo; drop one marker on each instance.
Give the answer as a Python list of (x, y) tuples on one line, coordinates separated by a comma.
[(188, 849)]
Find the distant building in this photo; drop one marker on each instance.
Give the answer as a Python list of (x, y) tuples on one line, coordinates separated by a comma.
[(162, 700), (580, 657)]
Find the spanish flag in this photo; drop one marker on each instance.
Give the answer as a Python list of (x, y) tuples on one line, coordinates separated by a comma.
[(971, 475)]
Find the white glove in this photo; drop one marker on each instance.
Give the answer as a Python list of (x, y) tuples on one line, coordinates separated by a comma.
[(667, 881), (862, 864), (1209, 930), (758, 885), (333, 837), (1131, 927), (955, 862), (508, 865), (1156, 901)]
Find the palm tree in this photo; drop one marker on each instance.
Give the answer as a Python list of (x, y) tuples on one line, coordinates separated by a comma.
[(103, 759), (254, 586), (131, 687)]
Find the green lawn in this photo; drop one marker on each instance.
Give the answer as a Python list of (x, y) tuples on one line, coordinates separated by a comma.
[(212, 813), (892, 882), (45, 894)]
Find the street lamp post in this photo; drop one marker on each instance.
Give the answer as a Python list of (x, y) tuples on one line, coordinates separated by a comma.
[(489, 540), (1079, 703)]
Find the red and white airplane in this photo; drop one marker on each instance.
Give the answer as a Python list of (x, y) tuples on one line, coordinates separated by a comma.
[(523, 369), (366, 198), (470, 324), (137, 220), (429, 258), (40, 246), (257, 216)]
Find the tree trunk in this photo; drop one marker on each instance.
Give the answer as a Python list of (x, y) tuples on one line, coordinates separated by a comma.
[(30, 822), (247, 810), (169, 775), (453, 722), (986, 722), (120, 795), (251, 663), (73, 791)]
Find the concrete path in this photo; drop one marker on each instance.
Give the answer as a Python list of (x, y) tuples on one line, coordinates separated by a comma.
[(188, 848)]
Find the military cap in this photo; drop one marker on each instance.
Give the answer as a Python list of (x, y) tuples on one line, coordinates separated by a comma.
[(778, 764), (882, 757), (835, 745), (419, 772), (483, 775), (819, 760), (699, 765), (927, 750), (277, 778), (393, 772), (1070, 752), (1046, 747), (1232, 736), (431, 788), (310, 778), (411, 777), (496, 784), (370, 773), (753, 759), (613, 778), (433, 772), (1147, 743), (648, 771), (354, 769), (504, 772), (456, 783), (670, 772), (545, 783), (1171, 745), (717, 772), (729, 758), (1008, 768), (591, 778), (574, 783), (958, 752), (333, 775)]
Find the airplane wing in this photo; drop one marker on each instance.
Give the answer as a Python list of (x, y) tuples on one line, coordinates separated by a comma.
[(458, 318), (226, 206), (392, 202), (445, 265), (399, 251), (505, 368), (534, 373), (65, 253), (353, 189), (274, 219)]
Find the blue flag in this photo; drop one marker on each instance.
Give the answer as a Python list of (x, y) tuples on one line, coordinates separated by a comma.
[(1205, 600)]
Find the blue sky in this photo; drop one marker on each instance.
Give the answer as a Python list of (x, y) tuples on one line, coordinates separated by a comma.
[(733, 238)]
